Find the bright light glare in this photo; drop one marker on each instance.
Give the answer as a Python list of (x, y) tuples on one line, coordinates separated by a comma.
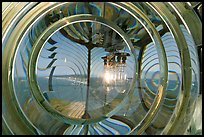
[(108, 77)]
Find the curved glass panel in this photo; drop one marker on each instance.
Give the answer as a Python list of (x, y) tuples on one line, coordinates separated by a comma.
[(99, 68)]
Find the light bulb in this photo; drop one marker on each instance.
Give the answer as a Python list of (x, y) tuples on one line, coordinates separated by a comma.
[(107, 77), (115, 77)]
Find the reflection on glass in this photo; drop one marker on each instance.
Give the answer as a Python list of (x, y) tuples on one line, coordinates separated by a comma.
[(85, 71)]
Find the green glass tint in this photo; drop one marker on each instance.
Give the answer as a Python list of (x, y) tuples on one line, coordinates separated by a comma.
[(99, 68)]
